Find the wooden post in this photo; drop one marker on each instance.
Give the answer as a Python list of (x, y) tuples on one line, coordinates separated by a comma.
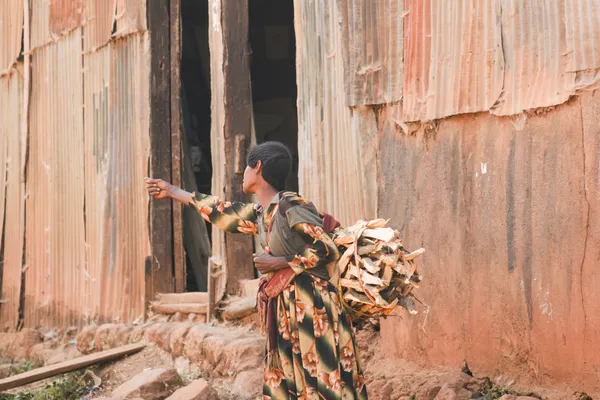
[(231, 119), (159, 275), (176, 153)]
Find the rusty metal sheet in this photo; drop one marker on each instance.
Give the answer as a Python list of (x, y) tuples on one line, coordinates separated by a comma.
[(335, 145), (11, 33), (130, 17), (453, 57), (99, 20), (39, 23), (116, 159), (11, 99), (55, 235), (372, 34), (583, 34), (535, 54), (66, 15)]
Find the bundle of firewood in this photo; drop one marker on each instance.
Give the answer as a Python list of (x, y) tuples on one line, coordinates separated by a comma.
[(376, 273)]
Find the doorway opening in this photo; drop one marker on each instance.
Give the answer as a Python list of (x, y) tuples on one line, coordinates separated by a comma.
[(273, 75), (196, 124)]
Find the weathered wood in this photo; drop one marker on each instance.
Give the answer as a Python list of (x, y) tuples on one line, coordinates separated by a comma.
[(181, 298), (239, 308), (176, 153), (190, 308), (214, 264), (67, 366), (237, 96), (159, 278)]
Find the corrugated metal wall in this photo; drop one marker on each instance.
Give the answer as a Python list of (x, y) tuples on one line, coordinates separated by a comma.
[(466, 187), (87, 129), (335, 143), (420, 61)]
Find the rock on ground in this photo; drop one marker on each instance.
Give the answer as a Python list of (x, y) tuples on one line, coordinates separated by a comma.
[(248, 384), (153, 384), (197, 390)]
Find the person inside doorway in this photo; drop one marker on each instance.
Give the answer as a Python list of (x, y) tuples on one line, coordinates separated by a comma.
[(312, 351)]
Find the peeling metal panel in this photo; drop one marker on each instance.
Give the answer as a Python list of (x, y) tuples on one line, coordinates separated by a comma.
[(99, 19), (11, 32), (372, 34), (335, 144), (535, 54), (66, 15), (583, 34), (39, 23), (116, 159), (11, 98), (453, 57), (55, 236), (130, 17)]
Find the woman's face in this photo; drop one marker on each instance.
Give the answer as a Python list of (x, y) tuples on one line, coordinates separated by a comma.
[(251, 179)]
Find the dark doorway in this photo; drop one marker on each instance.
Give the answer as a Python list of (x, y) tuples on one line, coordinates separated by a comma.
[(273, 75), (195, 104)]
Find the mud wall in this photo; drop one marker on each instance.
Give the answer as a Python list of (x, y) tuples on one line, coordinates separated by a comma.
[(508, 212)]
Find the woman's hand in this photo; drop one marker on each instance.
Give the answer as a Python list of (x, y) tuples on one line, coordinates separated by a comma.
[(266, 263), (158, 188)]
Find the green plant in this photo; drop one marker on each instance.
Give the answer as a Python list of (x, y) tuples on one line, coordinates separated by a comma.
[(69, 387)]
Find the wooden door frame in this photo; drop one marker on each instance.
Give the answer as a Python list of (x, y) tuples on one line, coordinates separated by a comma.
[(165, 271)]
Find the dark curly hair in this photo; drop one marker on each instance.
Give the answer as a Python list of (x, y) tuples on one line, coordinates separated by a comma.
[(276, 161)]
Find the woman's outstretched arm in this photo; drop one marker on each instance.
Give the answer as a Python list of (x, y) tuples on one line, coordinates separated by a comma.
[(234, 217)]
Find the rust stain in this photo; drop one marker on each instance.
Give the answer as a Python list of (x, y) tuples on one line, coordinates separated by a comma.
[(11, 99), (130, 17), (372, 34), (65, 15), (11, 32), (99, 19), (39, 23), (535, 54), (453, 58)]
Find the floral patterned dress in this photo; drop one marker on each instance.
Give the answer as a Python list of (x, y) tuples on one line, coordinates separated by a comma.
[(317, 350)]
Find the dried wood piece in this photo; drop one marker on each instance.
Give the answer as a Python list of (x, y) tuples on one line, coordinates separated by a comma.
[(376, 273), (67, 366)]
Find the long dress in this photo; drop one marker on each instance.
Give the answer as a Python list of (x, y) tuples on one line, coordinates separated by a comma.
[(315, 340)]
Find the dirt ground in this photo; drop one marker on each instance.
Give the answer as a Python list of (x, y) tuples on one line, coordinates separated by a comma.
[(210, 352)]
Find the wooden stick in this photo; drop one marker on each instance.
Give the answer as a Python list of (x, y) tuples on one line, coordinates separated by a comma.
[(189, 308), (68, 366), (183, 298)]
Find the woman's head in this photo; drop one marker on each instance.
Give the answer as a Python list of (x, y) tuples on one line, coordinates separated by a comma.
[(270, 163)]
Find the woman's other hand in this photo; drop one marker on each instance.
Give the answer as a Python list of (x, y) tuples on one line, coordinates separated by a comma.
[(266, 263), (157, 188)]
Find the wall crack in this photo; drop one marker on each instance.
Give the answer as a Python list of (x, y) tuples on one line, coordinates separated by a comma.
[(587, 227)]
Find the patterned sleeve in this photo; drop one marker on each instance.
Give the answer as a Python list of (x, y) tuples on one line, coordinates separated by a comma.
[(319, 250), (233, 217)]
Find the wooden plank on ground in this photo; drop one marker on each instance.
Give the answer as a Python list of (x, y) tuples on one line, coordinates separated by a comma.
[(191, 308), (181, 298), (68, 366)]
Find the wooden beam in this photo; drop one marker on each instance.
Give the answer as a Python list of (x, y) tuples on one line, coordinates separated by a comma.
[(180, 298), (159, 277), (176, 153), (237, 130), (68, 366)]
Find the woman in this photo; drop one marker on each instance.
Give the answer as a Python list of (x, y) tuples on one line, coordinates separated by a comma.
[(314, 349)]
